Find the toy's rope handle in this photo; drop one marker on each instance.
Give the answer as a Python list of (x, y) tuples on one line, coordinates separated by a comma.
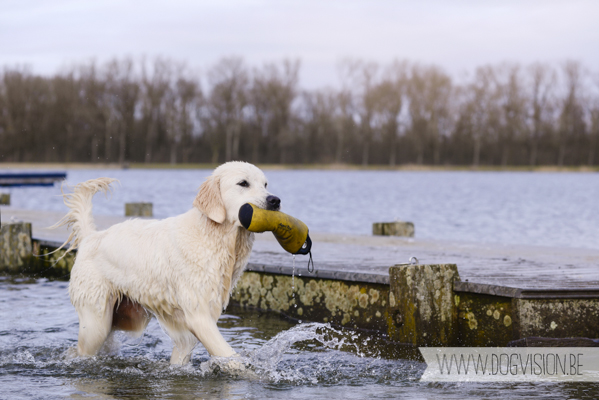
[(310, 261)]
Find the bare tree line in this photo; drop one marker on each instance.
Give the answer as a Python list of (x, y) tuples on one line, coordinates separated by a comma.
[(159, 111)]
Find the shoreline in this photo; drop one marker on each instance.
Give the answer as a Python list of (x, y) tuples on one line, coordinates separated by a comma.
[(330, 167)]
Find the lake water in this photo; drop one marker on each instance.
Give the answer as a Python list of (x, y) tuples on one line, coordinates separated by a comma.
[(551, 209), (284, 360)]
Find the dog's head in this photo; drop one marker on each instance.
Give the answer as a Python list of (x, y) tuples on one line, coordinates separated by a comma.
[(230, 186)]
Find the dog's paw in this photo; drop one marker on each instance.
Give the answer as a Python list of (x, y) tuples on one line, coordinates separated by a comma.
[(234, 365), (240, 367), (71, 353)]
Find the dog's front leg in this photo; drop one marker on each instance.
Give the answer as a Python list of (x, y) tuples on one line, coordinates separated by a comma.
[(205, 329)]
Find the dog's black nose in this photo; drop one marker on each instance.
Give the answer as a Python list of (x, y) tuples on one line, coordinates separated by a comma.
[(273, 203)]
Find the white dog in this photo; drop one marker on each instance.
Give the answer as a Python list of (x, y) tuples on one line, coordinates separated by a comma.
[(180, 269)]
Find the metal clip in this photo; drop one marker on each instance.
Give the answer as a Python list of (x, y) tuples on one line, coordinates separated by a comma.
[(413, 261)]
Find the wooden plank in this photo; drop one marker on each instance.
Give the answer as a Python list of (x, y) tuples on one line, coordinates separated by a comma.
[(31, 179)]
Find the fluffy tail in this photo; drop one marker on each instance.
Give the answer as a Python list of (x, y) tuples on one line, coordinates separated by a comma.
[(80, 219)]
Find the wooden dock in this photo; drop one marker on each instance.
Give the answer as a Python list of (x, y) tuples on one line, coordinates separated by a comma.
[(31, 178), (467, 294)]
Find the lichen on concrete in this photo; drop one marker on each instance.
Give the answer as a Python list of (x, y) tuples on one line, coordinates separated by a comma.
[(19, 254), (423, 302), (559, 318), (352, 304), (472, 322), (484, 320), (15, 246)]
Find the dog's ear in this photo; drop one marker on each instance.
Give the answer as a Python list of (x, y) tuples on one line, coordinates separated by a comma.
[(209, 200)]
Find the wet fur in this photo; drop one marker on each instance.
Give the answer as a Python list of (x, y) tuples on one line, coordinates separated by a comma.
[(180, 270)]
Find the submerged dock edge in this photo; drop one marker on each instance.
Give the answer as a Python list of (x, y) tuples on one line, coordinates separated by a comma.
[(419, 305)]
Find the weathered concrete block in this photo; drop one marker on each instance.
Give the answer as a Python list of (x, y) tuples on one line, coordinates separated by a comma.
[(358, 305), (422, 307), (50, 263), (557, 318), (138, 210), (4, 199), (397, 228), (484, 320), (15, 246)]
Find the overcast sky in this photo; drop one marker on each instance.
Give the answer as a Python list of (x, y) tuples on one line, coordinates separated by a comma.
[(458, 35)]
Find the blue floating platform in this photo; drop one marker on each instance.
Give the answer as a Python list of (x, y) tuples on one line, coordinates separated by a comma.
[(32, 179)]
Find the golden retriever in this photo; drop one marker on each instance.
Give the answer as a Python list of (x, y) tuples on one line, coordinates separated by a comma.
[(180, 270)]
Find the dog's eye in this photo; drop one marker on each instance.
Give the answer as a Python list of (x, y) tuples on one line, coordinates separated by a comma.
[(266, 185), (244, 184)]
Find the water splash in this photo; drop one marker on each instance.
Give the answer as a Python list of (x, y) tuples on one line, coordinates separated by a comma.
[(17, 358), (308, 353), (283, 358)]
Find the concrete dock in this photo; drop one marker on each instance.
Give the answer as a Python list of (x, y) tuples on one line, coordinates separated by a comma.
[(467, 294)]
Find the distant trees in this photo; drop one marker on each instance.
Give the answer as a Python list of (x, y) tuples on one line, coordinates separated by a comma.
[(161, 111)]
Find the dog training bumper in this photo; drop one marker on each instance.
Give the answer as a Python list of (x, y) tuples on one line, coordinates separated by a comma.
[(291, 233)]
